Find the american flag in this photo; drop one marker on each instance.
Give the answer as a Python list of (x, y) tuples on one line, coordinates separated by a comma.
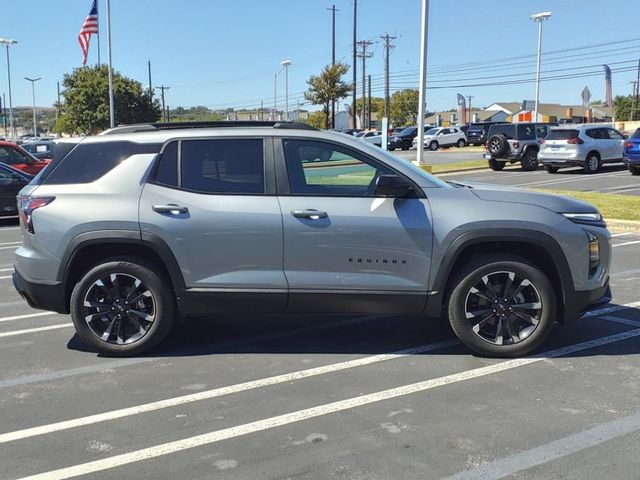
[(89, 27)]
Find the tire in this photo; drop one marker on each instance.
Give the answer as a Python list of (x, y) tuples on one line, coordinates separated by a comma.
[(461, 143), (405, 148), (391, 149), (434, 145), (504, 328), (496, 165), (634, 170), (530, 160), (153, 298), (591, 163), (498, 145), (551, 169)]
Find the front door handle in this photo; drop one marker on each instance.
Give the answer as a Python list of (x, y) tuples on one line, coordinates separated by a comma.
[(171, 208), (312, 214)]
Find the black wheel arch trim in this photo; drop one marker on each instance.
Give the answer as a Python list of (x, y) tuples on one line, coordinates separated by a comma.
[(131, 237), (436, 299)]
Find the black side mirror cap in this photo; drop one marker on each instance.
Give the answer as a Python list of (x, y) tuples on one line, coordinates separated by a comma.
[(390, 185)]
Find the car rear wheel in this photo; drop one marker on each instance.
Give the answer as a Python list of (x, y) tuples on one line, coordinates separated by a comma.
[(123, 307), (496, 165), (551, 169), (461, 143), (634, 170), (404, 147), (530, 160), (502, 306), (433, 145), (592, 163)]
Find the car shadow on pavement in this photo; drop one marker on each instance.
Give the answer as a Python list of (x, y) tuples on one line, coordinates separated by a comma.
[(341, 334)]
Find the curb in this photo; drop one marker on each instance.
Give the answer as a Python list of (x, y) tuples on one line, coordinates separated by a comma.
[(623, 225)]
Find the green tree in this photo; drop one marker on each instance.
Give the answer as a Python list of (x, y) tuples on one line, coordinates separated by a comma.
[(317, 119), (622, 107), (404, 107), (377, 105), (85, 109), (328, 87)]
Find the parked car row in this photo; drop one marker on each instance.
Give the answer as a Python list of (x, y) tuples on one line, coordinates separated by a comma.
[(558, 146)]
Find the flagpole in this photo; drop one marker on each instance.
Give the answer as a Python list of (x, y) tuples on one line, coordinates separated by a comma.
[(98, 33), (111, 106)]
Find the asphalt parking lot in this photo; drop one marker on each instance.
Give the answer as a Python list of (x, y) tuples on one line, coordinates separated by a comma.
[(321, 397)]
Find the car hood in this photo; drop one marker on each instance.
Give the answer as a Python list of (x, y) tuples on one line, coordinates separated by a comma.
[(555, 203)]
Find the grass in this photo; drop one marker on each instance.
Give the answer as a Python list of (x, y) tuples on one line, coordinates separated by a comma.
[(620, 207), (445, 167)]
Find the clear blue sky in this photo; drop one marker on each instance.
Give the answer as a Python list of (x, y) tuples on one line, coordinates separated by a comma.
[(224, 53)]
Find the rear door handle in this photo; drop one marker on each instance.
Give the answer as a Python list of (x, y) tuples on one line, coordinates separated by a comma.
[(171, 208), (312, 214)]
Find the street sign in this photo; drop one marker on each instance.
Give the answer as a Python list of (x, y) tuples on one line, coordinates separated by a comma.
[(586, 95), (529, 105)]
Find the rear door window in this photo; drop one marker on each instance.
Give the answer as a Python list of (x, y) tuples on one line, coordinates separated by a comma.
[(222, 166), (526, 132), (614, 135), (507, 130)]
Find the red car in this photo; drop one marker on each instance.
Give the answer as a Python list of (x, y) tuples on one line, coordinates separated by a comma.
[(11, 154)]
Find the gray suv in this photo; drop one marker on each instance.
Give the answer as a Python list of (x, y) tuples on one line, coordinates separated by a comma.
[(515, 142), (142, 225)]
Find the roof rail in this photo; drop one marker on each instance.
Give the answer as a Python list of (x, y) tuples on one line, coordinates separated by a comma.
[(151, 127)]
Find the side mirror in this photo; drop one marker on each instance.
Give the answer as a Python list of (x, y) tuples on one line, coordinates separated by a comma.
[(392, 186), (625, 137)]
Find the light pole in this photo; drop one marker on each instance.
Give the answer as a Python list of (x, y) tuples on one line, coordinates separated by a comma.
[(285, 64), (33, 96), (8, 43), (539, 18), (423, 84)]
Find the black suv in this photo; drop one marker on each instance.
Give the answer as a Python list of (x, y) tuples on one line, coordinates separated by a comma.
[(515, 142), (477, 132), (404, 139)]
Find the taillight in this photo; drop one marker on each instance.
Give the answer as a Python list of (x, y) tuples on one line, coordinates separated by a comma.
[(486, 145), (575, 141), (28, 205), (516, 144), (628, 144), (541, 141)]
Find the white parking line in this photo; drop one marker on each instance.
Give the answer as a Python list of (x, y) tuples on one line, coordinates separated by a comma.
[(14, 247), (29, 315), (35, 330), (625, 190), (219, 392), (553, 450), (318, 411), (635, 242), (622, 234), (611, 309), (579, 178), (10, 243), (6, 269), (624, 321), (7, 277)]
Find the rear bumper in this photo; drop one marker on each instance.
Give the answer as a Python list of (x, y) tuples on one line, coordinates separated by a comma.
[(42, 296), (631, 158), (581, 302)]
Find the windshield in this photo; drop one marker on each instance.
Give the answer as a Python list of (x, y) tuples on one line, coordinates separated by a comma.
[(636, 134), (407, 131), (431, 131)]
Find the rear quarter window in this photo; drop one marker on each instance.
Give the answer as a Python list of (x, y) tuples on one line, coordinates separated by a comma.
[(506, 130), (636, 134), (87, 162)]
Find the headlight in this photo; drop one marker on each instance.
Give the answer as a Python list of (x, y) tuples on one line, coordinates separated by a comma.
[(594, 218), (594, 251)]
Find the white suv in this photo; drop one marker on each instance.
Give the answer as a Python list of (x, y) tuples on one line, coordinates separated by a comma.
[(442, 137), (584, 145)]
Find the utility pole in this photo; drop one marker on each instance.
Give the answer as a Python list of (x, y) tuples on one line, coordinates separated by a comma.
[(369, 102), (333, 11), (4, 114), (261, 109), (634, 99), (469, 97), (353, 66), (58, 106), (162, 88), (150, 87), (387, 49), (364, 44), (168, 117)]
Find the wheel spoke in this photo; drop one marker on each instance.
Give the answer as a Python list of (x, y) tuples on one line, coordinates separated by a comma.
[(527, 306), (490, 289), (478, 293), (511, 330), (115, 285), (120, 332), (478, 325), (476, 313), (107, 332), (95, 316), (145, 294), (97, 304), (527, 318), (142, 315), (507, 285), (499, 330), (523, 284)]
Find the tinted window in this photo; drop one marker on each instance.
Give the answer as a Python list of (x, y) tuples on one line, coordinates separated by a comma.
[(407, 132), (636, 134), (89, 161), (317, 168), (614, 135), (526, 132), (431, 131), (562, 134), (167, 172), (11, 156), (475, 128), (541, 131), (507, 130), (223, 166)]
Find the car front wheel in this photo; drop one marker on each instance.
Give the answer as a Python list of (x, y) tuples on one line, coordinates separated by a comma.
[(502, 306), (530, 160), (635, 170), (551, 169), (433, 145), (123, 307), (461, 143), (592, 163)]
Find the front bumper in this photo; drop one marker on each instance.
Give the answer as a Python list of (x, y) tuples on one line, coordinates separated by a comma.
[(581, 302), (42, 296)]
